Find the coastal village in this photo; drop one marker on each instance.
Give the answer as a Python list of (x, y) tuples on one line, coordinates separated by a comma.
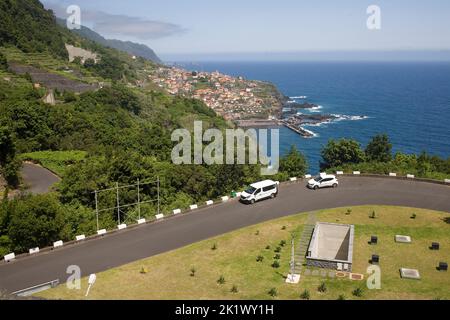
[(234, 98)]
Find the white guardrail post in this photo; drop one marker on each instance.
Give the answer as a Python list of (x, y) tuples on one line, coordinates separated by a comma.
[(101, 232), (177, 211), (339, 173), (357, 173), (308, 176), (58, 244), (80, 237), (33, 250), (122, 226), (447, 181), (225, 198), (293, 179), (141, 221), (10, 257), (410, 176), (193, 207), (392, 174), (209, 202), (159, 216)]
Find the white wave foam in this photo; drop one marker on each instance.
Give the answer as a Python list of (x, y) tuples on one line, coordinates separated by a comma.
[(342, 117), (299, 97), (316, 109), (314, 135)]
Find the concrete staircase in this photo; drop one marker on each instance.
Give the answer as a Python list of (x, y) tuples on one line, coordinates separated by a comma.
[(305, 238)]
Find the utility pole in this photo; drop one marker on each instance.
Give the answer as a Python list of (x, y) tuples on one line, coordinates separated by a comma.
[(292, 278), (96, 207), (139, 200), (158, 192), (118, 205)]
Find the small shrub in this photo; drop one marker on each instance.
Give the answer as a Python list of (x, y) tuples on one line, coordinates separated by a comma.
[(268, 247), (413, 216), (193, 271), (282, 243), (214, 247), (259, 258), (221, 280), (234, 289), (322, 288), (305, 295), (144, 270), (341, 297), (358, 292), (275, 264), (349, 212), (373, 215), (277, 256), (257, 233), (283, 228), (273, 292), (277, 249)]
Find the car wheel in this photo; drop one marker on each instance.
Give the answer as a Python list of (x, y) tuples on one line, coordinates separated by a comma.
[(273, 195), (252, 201), (316, 187), (335, 185)]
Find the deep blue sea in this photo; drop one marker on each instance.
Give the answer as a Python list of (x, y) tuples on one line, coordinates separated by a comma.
[(408, 101)]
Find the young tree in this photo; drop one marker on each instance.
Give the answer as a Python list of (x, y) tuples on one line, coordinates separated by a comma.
[(294, 163), (9, 166), (36, 221), (379, 149), (339, 152)]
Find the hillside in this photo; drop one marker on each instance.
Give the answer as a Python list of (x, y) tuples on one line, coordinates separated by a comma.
[(26, 25), (132, 48), (123, 125)]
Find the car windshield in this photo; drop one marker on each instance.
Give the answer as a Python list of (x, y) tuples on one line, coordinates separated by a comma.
[(318, 179), (250, 190)]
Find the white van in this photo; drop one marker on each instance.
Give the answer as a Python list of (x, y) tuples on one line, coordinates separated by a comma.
[(259, 191)]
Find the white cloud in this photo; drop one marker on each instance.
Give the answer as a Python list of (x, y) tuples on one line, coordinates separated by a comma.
[(120, 25)]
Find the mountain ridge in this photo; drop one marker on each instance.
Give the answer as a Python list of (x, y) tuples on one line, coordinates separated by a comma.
[(133, 48)]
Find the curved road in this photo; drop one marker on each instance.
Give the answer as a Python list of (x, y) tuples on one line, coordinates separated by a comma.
[(144, 241), (38, 179)]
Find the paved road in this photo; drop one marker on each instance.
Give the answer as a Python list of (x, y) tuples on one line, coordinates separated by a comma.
[(144, 241), (38, 179)]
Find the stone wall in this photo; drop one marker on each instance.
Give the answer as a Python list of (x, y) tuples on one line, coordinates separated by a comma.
[(326, 264)]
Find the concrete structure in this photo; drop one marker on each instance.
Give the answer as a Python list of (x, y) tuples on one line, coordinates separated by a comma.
[(331, 246), (50, 98), (406, 273), (403, 239), (81, 53)]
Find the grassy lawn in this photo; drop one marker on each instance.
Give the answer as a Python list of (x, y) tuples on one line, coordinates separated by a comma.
[(55, 161), (169, 274)]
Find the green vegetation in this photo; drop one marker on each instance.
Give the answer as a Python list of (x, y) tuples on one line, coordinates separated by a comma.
[(55, 161), (305, 295), (293, 164), (169, 280), (9, 166), (343, 151), (28, 26), (347, 155)]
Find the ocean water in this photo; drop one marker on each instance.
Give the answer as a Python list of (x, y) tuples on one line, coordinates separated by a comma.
[(408, 101)]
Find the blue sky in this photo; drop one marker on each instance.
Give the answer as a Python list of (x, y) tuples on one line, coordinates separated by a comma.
[(177, 27)]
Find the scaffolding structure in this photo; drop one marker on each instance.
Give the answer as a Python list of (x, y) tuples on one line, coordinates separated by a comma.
[(138, 185)]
